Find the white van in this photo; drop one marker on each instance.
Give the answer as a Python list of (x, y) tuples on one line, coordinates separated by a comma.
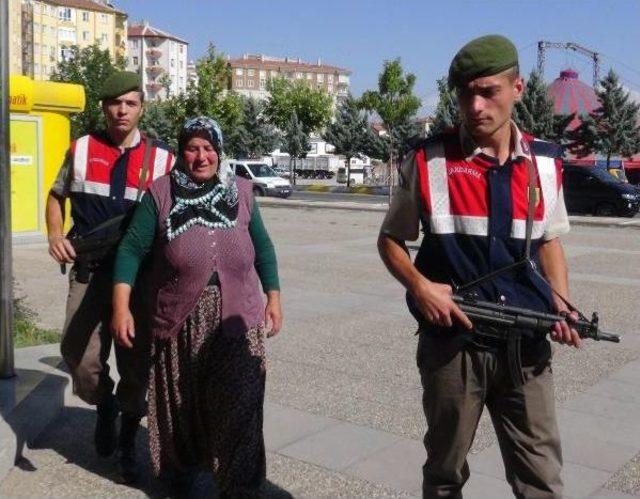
[(266, 181), (357, 176)]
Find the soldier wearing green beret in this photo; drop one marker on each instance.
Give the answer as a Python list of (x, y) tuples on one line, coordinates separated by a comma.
[(486, 195), (104, 175)]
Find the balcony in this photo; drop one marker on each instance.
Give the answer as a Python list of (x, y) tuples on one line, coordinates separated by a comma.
[(153, 52), (154, 70)]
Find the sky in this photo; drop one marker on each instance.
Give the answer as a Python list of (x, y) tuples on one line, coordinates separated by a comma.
[(360, 35)]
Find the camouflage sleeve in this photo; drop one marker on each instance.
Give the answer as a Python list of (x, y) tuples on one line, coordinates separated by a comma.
[(403, 218), (62, 183)]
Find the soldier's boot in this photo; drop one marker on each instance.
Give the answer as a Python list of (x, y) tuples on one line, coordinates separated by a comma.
[(127, 462), (106, 434)]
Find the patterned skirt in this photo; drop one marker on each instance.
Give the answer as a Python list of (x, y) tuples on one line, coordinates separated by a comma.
[(206, 396)]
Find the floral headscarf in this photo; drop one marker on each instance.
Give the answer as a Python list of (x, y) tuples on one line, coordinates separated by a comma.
[(213, 203)]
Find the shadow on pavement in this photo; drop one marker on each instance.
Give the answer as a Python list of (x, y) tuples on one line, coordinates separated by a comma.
[(71, 436)]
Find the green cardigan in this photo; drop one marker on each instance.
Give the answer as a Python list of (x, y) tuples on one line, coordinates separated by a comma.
[(141, 233)]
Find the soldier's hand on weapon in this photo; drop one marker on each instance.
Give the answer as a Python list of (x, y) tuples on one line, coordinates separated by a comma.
[(60, 249), (563, 333), (437, 306), (123, 328)]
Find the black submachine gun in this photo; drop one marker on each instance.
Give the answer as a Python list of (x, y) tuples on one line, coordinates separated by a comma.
[(505, 316)]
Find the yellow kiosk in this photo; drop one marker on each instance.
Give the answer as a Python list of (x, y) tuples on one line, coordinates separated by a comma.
[(40, 136)]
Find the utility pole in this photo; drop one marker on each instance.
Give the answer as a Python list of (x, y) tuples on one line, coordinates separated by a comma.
[(6, 273)]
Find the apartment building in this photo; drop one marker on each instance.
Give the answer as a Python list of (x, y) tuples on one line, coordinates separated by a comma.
[(250, 75), (43, 31), (161, 59)]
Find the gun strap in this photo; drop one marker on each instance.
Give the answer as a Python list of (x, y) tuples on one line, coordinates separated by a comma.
[(144, 171), (531, 209)]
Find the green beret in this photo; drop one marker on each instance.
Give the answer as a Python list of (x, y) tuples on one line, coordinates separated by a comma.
[(484, 56), (120, 83)]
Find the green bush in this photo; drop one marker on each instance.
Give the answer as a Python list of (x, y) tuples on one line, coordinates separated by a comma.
[(25, 331)]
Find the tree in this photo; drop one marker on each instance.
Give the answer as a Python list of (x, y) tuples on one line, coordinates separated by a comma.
[(210, 95), (295, 141), (447, 115), (534, 113), (165, 81), (313, 108), (254, 137), (349, 133), (611, 129), (89, 67), (159, 122), (394, 102)]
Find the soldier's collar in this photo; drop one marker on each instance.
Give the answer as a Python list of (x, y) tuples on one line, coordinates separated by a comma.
[(519, 144)]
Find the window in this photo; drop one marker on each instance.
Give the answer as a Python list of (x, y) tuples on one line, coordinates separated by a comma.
[(85, 16), (330, 78), (298, 75), (104, 18), (250, 72), (52, 51), (67, 35), (104, 38), (66, 54), (250, 83), (85, 36), (238, 83), (52, 31), (36, 26), (263, 83), (173, 63), (181, 48), (135, 60), (36, 48), (274, 73), (64, 14), (263, 73), (241, 171), (239, 72), (320, 77)]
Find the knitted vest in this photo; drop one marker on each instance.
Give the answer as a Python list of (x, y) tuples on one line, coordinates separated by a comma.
[(182, 268)]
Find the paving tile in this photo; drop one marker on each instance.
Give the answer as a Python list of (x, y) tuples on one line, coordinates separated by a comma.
[(339, 446), (600, 427), (617, 390), (398, 466), (629, 373), (488, 462), (580, 481), (616, 411), (285, 425), (584, 448), (482, 486), (611, 494)]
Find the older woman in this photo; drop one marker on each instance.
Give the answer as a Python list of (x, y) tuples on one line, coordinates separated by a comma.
[(209, 254)]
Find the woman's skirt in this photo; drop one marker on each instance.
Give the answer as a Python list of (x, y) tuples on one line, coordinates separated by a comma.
[(206, 396)]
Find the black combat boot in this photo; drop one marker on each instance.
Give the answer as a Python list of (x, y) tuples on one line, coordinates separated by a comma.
[(128, 466), (106, 434)]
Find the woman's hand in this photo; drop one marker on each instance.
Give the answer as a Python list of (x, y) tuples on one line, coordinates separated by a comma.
[(123, 328), (273, 314)]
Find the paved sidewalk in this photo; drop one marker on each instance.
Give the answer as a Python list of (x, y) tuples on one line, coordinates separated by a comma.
[(343, 415), (599, 428)]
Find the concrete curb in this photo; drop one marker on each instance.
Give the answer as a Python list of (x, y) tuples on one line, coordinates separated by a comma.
[(361, 189), (631, 223), (327, 205)]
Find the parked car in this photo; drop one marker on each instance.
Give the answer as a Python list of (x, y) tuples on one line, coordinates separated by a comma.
[(266, 182), (596, 191)]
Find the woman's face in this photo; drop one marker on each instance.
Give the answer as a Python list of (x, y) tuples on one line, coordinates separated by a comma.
[(201, 159)]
